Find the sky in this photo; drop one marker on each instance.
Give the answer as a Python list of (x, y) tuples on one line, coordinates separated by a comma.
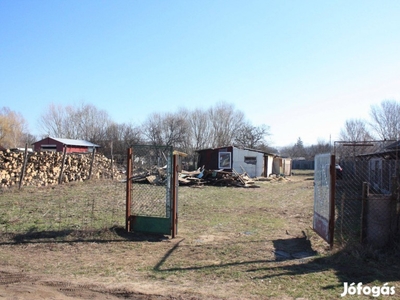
[(300, 67)]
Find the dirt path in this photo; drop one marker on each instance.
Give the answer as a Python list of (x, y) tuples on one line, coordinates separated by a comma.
[(15, 284)]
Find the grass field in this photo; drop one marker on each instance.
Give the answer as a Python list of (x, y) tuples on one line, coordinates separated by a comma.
[(232, 243)]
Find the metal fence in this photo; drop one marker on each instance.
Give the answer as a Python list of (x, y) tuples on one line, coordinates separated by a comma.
[(366, 192), (151, 188), (75, 211), (323, 220), (151, 173)]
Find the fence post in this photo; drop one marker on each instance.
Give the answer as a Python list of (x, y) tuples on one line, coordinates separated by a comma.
[(128, 191), (62, 165), (21, 178), (365, 192), (332, 195), (174, 216), (112, 160), (92, 162)]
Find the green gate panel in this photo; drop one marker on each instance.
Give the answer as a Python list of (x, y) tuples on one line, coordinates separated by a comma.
[(151, 225)]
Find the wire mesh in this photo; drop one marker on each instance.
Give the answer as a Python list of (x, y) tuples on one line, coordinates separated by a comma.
[(365, 199), (322, 210), (65, 212), (151, 180)]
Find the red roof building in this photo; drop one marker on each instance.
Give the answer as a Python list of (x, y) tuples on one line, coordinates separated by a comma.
[(57, 145)]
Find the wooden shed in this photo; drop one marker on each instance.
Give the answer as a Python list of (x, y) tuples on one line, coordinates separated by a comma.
[(255, 163), (282, 166), (58, 144)]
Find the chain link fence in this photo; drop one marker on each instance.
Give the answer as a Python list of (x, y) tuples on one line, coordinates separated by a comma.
[(322, 195), (69, 212), (151, 180), (366, 192)]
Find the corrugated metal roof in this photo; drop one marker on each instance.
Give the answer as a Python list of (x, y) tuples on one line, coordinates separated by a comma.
[(71, 142)]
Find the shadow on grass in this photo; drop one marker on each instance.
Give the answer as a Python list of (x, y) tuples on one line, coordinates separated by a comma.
[(352, 264), (349, 265), (113, 234)]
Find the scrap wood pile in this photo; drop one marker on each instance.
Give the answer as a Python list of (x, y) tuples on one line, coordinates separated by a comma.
[(155, 175), (158, 176), (216, 177), (201, 177)]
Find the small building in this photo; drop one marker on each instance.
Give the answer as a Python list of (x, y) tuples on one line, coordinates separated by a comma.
[(58, 144), (255, 163), (382, 167), (300, 163), (282, 166)]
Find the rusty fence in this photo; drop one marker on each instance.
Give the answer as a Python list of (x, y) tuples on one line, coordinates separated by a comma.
[(151, 199), (367, 192)]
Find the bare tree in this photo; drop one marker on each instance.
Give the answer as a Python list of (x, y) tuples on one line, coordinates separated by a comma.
[(152, 128), (83, 122), (120, 137), (321, 147), (297, 150), (386, 119), (53, 121), (225, 122), (200, 129), (165, 129), (92, 123), (251, 136), (12, 128), (355, 130)]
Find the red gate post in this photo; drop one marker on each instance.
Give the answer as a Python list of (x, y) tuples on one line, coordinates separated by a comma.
[(175, 170), (128, 191)]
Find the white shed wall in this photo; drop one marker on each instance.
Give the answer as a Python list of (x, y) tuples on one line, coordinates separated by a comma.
[(252, 170), (270, 164)]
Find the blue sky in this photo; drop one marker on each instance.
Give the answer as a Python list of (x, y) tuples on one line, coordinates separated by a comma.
[(301, 67)]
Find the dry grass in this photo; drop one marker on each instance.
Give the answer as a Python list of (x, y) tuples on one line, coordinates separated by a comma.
[(232, 243)]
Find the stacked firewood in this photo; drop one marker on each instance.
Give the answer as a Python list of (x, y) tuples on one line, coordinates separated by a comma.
[(47, 168)]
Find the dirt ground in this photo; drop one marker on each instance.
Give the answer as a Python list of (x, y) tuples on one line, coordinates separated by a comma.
[(125, 270), (14, 284)]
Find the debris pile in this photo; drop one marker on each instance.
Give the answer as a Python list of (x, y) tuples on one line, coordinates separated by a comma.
[(217, 178), (202, 177)]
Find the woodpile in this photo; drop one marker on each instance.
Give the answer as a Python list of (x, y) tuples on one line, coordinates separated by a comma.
[(217, 178), (48, 168)]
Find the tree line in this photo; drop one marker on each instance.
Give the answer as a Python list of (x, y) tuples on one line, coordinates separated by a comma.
[(384, 124), (186, 130)]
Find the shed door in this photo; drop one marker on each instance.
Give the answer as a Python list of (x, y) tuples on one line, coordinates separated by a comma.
[(265, 166)]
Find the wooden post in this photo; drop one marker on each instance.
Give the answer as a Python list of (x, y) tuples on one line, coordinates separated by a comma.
[(21, 177), (92, 162), (364, 211), (128, 191), (112, 161), (62, 165)]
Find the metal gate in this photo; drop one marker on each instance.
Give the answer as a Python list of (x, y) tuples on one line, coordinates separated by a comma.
[(324, 195), (151, 190)]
